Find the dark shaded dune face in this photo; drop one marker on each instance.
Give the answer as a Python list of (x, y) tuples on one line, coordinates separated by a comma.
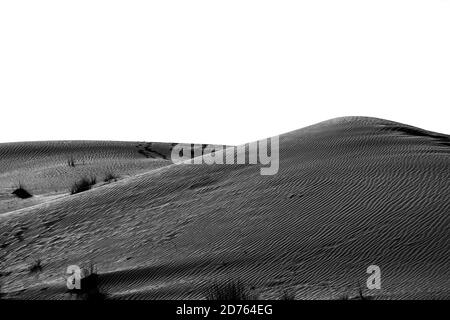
[(411, 131), (349, 193)]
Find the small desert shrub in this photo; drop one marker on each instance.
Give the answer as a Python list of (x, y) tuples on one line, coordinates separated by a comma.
[(110, 177), (36, 266), (84, 184), (233, 291), (21, 192), (90, 285), (71, 162), (361, 295)]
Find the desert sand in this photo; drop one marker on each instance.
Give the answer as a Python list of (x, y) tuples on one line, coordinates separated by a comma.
[(350, 192)]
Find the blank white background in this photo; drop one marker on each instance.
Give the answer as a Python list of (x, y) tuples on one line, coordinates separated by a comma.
[(218, 71)]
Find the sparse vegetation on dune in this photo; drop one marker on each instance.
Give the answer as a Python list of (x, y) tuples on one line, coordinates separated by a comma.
[(36, 266), (361, 295), (71, 162), (21, 192), (84, 184), (110, 177), (232, 291)]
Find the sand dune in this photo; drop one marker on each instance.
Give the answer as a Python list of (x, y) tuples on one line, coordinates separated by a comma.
[(350, 192), (44, 170)]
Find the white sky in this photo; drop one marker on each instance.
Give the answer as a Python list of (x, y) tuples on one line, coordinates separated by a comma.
[(218, 71)]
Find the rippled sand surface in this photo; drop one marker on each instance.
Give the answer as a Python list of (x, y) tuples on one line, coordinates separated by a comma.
[(349, 193)]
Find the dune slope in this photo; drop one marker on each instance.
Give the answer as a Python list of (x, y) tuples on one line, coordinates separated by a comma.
[(48, 169), (350, 192)]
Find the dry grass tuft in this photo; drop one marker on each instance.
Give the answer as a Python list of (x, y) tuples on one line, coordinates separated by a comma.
[(84, 184), (21, 192), (36, 266)]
